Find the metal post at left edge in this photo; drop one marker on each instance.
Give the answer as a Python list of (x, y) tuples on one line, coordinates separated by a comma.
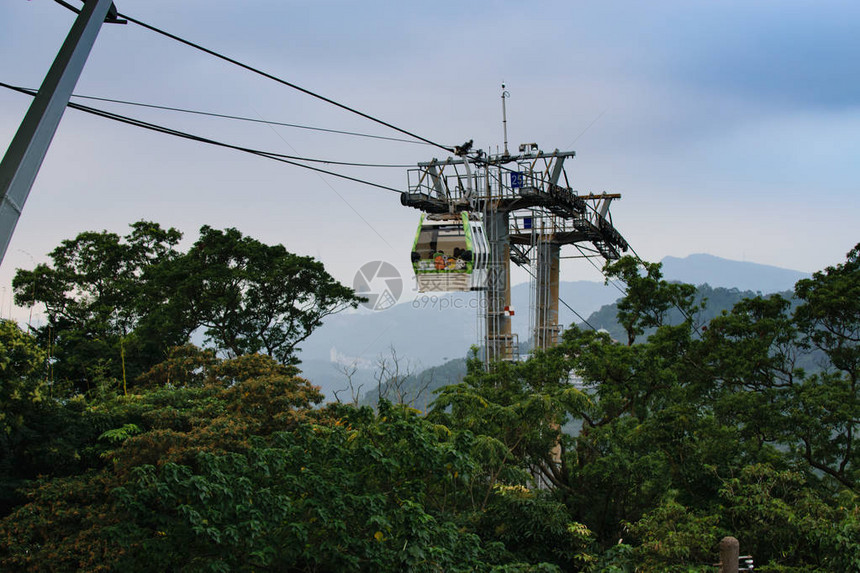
[(24, 157)]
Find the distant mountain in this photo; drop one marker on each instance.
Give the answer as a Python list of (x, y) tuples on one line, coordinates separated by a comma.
[(417, 389), (582, 297), (333, 382), (716, 300), (430, 330), (717, 272)]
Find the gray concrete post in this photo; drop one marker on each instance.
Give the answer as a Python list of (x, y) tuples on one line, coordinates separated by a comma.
[(729, 554)]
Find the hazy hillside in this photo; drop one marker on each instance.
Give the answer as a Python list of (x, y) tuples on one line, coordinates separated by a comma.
[(428, 330), (716, 301), (431, 330), (417, 389), (707, 269)]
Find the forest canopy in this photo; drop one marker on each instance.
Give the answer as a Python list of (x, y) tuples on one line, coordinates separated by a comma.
[(135, 297), (125, 448)]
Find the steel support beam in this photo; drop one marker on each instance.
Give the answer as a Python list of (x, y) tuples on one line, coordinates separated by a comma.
[(557, 170), (24, 157), (503, 160), (500, 341)]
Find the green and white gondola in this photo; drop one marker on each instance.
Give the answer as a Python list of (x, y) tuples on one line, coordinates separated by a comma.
[(450, 253)]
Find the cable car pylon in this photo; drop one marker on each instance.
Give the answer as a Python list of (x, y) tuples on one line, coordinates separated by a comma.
[(482, 212), (527, 211)]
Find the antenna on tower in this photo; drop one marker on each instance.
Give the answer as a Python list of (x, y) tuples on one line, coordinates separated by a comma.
[(505, 94)]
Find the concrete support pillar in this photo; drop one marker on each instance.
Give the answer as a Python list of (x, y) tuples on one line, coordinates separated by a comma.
[(546, 327), (729, 555)]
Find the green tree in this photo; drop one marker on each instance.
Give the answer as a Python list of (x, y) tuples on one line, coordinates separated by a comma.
[(829, 319), (593, 456), (648, 299), (253, 297), (21, 390), (38, 433), (240, 473), (788, 376), (116, 305), (642, 441), (95, 297)]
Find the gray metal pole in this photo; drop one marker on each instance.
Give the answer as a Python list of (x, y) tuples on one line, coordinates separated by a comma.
[(21, 163), (505, 95)]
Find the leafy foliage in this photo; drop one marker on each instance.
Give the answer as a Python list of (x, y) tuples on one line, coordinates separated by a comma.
[(96, 295), (243, 478), (116, 305), (38, 433), (251, 297), (645, 442), (593, 456)]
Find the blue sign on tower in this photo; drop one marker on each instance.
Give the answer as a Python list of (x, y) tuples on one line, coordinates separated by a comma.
[(517, 178)]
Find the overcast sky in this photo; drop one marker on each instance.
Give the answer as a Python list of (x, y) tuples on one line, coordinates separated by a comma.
[(730, 128)]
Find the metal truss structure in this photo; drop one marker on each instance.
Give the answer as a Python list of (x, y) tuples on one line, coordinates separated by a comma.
[(529, 212)]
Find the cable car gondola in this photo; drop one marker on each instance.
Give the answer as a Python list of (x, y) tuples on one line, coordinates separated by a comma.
[(450, 253)]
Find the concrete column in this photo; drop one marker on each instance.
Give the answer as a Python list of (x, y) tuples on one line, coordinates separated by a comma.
[(729, 555), (546, 327)]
